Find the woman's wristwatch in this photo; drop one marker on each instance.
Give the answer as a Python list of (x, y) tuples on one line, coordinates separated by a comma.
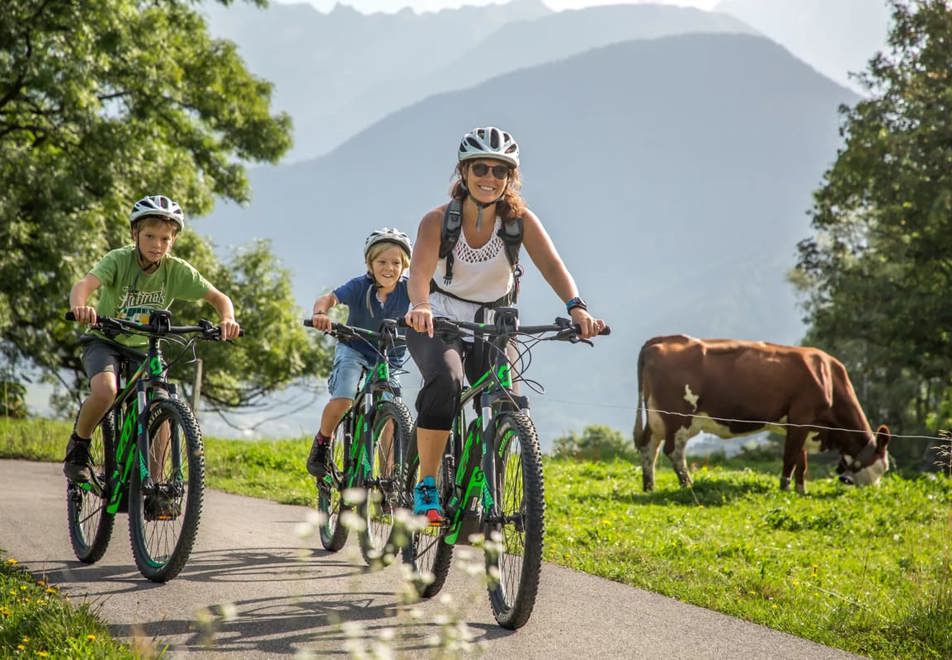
[(572, 303)]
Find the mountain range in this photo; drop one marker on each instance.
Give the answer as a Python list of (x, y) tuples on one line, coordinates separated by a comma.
[(337, 73), (673, 174)]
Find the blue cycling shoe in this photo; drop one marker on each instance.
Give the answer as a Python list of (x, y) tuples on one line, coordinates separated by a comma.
[(426, 501)]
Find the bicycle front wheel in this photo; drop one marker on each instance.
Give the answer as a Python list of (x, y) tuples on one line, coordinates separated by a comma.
[(391, 431), (90, 525), (330, 487), (514, 543), (426, 552), (163, 523)]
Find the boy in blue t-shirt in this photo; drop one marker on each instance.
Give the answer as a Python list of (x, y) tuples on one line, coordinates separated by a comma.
[(378, 294)]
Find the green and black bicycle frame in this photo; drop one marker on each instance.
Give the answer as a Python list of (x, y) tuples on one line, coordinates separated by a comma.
[(376, 381), (131, 410), (473, 501)]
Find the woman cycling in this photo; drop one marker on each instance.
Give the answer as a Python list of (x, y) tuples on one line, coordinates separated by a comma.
[(462, 280)]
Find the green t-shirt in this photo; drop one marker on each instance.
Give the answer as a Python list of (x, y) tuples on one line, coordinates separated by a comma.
[(130, 294)]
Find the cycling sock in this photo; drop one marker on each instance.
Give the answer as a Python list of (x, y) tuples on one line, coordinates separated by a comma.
[(321, 439), (75, 438)]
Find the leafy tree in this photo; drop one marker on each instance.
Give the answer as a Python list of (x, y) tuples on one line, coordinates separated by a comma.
[(877, 275), (12, 399), (597, 442), (100, 104)]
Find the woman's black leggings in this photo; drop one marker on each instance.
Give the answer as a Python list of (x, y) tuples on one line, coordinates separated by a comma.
[(443, 366)]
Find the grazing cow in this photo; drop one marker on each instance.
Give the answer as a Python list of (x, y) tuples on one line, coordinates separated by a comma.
[(684, 383)]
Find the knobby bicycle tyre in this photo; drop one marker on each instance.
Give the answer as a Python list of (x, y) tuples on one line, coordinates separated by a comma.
[(163, 526), (90, 525), (426, 552), (380, 538), (514, 561), (330, 488)]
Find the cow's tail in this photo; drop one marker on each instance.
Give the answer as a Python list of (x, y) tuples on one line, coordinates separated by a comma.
[(639, 431)]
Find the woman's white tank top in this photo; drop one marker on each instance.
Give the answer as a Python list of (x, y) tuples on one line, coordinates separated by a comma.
[(480, 275)]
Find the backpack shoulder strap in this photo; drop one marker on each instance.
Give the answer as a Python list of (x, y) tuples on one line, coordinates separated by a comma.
[(452, 225), (449, 235), (511, 235)]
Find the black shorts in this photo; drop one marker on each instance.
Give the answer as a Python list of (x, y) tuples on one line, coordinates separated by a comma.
[(443, 366)]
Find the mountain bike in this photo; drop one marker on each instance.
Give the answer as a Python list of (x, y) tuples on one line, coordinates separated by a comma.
[(490, 477), (368, 450), (147, 457)]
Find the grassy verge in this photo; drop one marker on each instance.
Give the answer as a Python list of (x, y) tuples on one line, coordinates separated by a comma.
[(865, 570), (39, 622)]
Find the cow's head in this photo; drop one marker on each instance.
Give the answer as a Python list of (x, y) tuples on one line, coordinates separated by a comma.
[(869, 465)]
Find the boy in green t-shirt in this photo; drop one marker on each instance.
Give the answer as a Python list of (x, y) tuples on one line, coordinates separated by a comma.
[(133, 281)]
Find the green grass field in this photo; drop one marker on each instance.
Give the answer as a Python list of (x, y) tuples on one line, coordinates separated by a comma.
[(865, 570)]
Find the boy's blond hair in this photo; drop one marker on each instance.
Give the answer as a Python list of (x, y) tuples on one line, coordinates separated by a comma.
[(155, 220), (383, 246)]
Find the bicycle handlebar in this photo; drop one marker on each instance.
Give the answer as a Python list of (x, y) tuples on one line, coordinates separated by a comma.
[(205, 328), (565, 329), (342, 331)]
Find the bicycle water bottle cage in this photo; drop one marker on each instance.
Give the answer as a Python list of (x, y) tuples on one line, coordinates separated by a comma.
[(160, 321)]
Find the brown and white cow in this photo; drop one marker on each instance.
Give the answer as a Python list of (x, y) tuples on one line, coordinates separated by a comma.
[(683, 383)]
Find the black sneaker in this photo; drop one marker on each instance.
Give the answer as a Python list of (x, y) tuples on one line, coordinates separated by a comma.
[(78, 464), (317, 459)]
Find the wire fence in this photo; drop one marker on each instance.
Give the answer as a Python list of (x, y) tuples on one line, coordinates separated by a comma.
[(943, 436)]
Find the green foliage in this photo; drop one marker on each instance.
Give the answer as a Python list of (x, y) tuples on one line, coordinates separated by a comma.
[(12, 399), (37, 621), (877, 275), (101, 103), (597, 442)]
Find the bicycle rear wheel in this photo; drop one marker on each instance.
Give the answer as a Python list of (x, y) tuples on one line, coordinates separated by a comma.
[(163, 524), (391, 431), (90, 525), (330, 487), (514, 550), (427, 554)]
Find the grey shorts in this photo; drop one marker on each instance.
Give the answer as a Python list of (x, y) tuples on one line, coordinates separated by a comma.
[(100, 355)]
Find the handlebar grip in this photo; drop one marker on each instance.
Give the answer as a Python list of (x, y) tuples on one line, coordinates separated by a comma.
[(308, 323), (607, 330), (70, 316)]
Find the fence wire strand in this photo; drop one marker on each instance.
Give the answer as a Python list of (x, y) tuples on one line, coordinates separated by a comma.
[(818, 427)]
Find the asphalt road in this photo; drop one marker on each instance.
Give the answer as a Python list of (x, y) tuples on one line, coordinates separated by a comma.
[(255, 588)]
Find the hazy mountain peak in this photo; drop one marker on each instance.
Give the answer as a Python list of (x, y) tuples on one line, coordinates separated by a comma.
[(836, 37)]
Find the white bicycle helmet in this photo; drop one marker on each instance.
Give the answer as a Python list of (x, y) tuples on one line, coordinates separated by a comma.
[(388, 235), (158, 206), (489, 142)]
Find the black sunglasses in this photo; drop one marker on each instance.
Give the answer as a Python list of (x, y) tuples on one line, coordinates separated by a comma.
[(499, 171)]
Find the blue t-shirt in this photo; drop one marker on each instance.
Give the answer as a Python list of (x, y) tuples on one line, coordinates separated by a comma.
[(365, 311)]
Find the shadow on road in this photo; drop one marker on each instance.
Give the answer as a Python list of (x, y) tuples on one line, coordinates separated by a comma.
[(306, 618)]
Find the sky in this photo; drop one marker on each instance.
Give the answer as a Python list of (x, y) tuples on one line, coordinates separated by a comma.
[(391, 6)]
